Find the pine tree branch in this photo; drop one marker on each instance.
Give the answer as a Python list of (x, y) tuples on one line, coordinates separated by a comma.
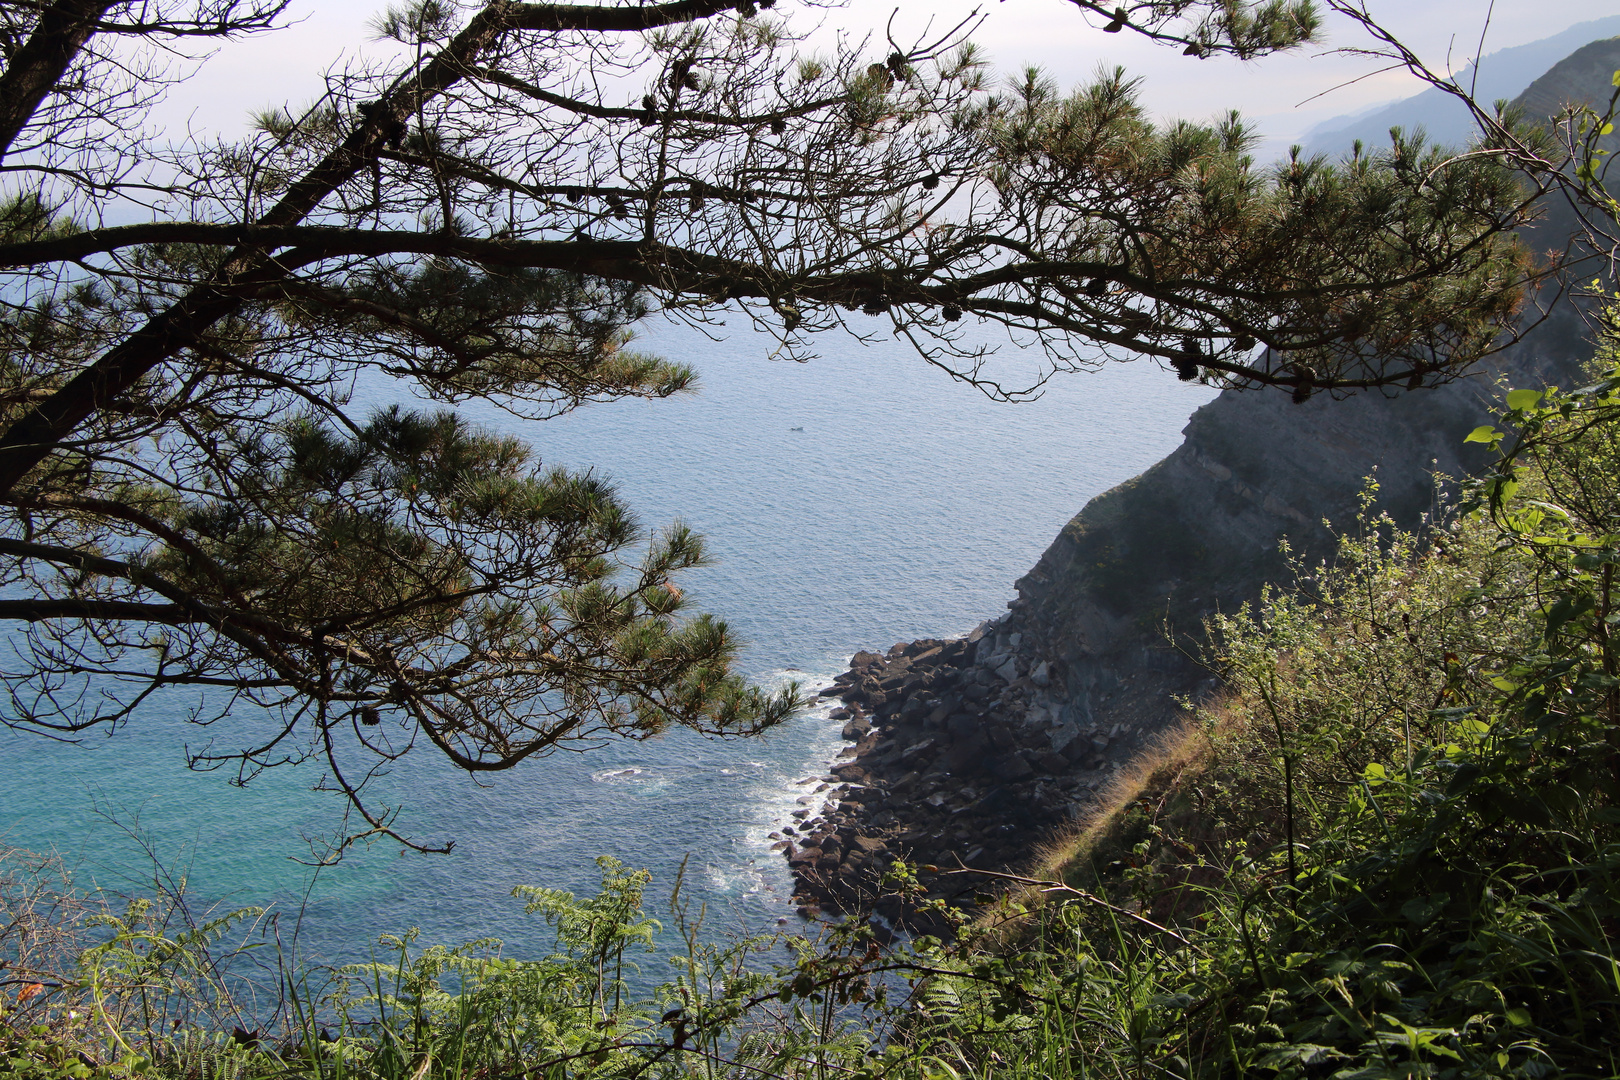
[(662, 115), (255, 634), (62, 30), (31, 438), (625, 19), (43, 608)]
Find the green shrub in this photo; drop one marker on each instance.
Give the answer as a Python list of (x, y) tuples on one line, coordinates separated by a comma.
[(1389, 850), (1397, 854)]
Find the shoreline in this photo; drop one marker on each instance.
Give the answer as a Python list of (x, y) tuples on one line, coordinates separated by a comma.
[(958, 752)]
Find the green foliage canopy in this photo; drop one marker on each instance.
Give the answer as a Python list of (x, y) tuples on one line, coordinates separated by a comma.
[(188, 500)]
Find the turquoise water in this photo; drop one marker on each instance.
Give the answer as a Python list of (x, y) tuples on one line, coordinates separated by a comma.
[(905, 507)]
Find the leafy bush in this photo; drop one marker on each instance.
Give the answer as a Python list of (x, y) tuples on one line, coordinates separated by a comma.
[(1388, 850), (1395, 853)]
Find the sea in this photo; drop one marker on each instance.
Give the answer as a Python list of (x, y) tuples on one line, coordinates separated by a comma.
[(853, 501)]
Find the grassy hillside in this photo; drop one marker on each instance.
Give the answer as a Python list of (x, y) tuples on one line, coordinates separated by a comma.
[(1389, 849)]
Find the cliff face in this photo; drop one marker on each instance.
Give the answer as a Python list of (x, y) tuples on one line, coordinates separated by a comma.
[(1201, 530), (1583, 77), (976, 749)]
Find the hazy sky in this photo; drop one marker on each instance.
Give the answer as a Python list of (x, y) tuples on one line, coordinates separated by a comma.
[(283, 67)]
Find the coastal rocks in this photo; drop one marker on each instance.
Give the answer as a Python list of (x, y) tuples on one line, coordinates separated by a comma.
[(965, 760), (1205, 529), (975, 749), (970, 753)]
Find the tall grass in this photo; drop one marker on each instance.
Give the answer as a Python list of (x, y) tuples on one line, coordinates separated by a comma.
[(1389, 850)]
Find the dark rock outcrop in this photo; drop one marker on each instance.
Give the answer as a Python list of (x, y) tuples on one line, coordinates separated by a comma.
[(972, 751), (960, 757), (1202, 531)]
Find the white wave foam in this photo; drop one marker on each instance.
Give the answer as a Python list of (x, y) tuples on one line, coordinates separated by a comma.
[(634, 774)]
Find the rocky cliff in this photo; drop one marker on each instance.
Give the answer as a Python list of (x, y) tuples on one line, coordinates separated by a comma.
[(1201, 531), (976, 749)]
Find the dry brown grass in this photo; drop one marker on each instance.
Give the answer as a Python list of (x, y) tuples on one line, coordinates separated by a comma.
[(1154, 772)]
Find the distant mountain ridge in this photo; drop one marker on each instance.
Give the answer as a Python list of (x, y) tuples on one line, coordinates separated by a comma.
[(1505, 74)]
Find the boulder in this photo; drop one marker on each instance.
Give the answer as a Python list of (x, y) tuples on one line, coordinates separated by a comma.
[(893, 681), (870, 695), (1050, 762), (1062, 736), (966, 754), (805, 856), (1013, 768), (994, 801), (916, 751)]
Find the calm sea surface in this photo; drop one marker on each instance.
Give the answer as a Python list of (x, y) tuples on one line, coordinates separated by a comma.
[(852, 502)]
